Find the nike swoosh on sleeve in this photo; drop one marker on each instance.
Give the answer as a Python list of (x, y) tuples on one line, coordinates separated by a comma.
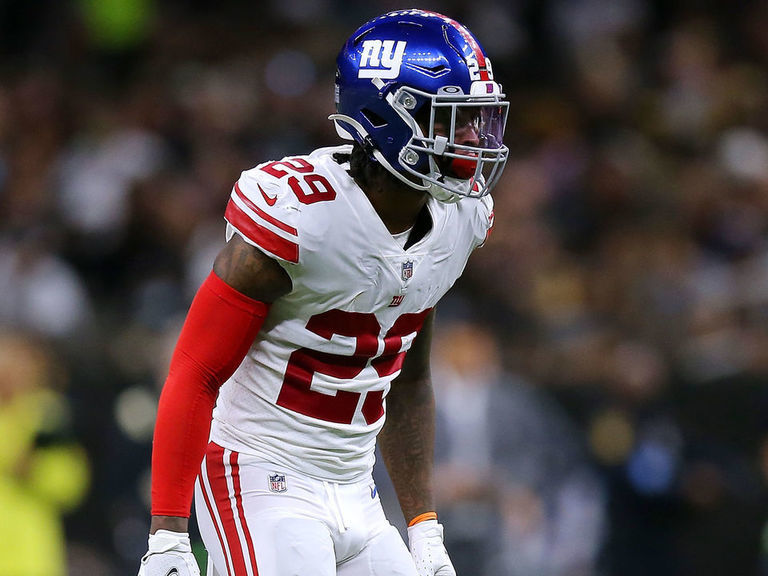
[(261, 235), (270, 200), (271, 219)]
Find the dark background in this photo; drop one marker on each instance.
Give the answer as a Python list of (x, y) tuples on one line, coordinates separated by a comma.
[(625, 282)]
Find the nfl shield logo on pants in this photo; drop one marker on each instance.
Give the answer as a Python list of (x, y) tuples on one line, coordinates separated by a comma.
[(407, 270), (277, 483)]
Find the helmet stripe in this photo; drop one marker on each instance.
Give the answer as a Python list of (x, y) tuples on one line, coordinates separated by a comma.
[(470, 40)]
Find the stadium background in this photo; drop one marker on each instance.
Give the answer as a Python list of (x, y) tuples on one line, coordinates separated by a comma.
[(621, 302)]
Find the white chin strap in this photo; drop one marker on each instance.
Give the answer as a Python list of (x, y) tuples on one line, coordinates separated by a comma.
[(448, 191), (445, 193)]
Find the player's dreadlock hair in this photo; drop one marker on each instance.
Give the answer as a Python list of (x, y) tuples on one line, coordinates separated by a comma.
[(362, 168)]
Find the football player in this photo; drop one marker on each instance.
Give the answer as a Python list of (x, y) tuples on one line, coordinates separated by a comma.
[(292, 360)]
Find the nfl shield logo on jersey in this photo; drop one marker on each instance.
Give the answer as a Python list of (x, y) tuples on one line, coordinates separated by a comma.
[(277, 483), (407, 270)]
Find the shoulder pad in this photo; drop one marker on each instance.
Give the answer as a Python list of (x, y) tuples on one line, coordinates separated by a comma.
[(264, 211)]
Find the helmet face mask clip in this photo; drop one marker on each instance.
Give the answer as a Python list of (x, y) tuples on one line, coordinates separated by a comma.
[(417, 87)]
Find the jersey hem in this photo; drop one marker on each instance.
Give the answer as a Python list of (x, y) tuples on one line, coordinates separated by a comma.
[(226, 436)]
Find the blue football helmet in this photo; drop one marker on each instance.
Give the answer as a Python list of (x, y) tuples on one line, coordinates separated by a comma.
[(416, 90)]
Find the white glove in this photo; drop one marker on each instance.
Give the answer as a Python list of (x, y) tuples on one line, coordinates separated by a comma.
[(425, 539), (169, 554)]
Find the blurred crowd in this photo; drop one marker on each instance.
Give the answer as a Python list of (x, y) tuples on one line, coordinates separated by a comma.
[(601, 367)]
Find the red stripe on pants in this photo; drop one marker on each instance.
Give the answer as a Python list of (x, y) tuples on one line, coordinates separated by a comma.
[(209, 506), (217, 477), (239, 502)]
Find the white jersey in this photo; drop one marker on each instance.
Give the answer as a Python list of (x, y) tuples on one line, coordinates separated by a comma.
[(309, 395)]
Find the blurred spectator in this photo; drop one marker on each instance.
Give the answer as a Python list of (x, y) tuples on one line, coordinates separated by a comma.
[(512, 479), (43, 473), (40, 292)]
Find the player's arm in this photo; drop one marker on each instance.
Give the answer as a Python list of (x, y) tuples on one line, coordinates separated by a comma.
[(407, 439), (222, 323), (407, 446)]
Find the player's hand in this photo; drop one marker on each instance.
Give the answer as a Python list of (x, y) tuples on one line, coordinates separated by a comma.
[(425, 540), (169, 551)]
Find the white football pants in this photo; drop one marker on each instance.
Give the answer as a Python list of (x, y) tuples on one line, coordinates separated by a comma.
[(259, 520)]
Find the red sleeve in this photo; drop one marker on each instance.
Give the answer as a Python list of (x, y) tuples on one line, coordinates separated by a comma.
[(221, 325)]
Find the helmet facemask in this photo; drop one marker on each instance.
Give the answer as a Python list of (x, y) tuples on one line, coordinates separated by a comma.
[(456, 149)]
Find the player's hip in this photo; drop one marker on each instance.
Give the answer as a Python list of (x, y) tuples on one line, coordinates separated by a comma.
[(238, 495)]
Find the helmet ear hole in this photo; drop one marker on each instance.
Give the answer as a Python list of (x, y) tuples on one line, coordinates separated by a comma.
[(375, 120)]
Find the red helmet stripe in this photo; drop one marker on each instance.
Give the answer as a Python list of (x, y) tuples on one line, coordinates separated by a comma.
[(470, 40)]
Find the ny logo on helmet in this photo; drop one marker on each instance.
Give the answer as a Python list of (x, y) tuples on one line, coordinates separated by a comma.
[(381, 59)]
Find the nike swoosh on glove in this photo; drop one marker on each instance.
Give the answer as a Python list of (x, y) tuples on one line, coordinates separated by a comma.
[(425, 539), (169, 554)]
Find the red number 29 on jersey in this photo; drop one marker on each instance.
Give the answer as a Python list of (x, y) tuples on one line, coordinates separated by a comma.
[(296, 393)]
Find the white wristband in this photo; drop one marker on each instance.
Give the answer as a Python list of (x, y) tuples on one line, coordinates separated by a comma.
[(167, 541)]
